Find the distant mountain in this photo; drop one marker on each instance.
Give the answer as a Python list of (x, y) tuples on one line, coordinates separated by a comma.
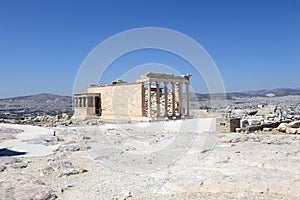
[(39, 98), (30, 106), (259, 93), (275, 92)]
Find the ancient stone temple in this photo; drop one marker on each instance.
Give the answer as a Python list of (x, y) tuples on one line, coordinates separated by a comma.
[(153, 96)]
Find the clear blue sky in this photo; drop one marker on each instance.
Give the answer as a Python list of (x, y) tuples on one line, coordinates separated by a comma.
[(255, 43)]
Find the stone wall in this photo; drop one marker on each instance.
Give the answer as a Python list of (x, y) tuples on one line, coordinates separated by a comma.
[(85, 112), (120, 101)]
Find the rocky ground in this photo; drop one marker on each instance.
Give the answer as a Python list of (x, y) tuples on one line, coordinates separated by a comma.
[(165, 160)]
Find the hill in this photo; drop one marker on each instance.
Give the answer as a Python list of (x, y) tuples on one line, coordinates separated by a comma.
[(279, 92), (33, 105)]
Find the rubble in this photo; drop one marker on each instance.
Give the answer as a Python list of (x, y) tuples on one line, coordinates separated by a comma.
[(2, 168), (290, 130), (294, 124), (62, 169), (43, 120), (11, 162), (74, 146), (267, 119)]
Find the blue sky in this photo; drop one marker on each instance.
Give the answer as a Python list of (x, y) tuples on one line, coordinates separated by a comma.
[(254, 43)]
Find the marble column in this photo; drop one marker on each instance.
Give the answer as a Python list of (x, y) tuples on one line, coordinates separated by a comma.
[(84, 101), (166, 98), (157, 99), (149, 99), (80, 101), (187, 92), (92, 99), (173, 99), (180, 98), (75, 102)]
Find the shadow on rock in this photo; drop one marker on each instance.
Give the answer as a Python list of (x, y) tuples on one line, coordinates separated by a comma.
[(7, 152)]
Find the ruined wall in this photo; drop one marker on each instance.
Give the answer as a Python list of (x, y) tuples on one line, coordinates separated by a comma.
[(227, 125)]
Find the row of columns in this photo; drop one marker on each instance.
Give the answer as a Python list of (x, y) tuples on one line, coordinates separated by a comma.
[(180, 99), (84, 101)]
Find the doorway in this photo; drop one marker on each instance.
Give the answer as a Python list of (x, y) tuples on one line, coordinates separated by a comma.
[(98, 106)]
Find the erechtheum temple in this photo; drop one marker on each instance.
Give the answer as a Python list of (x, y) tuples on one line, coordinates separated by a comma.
[(154, 96)]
